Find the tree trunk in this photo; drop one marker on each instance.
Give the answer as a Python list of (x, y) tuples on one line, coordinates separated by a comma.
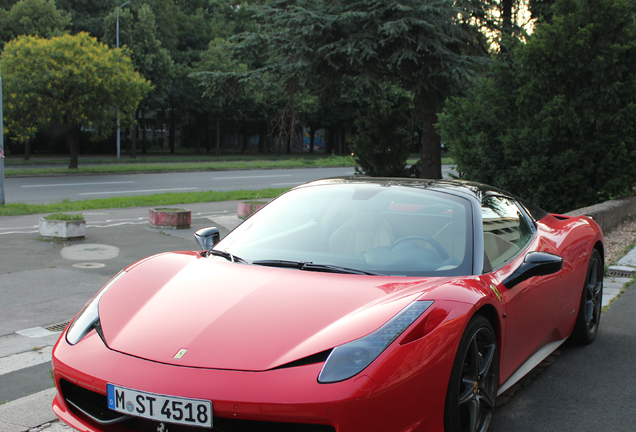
[(144, 143), (27, 150), (133, 140), (312, 136), (73, 140), (218, 137), (329, 141), (245, 139), (197, 141), (262, 146), (506, 16), (172, 125), (208, 143), (431, 151)]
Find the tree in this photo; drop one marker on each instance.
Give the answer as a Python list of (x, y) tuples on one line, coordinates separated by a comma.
[(151, 60), (34, 18), (424, 45), (88, 15), (72, 81), (381, 146), (555, 120)]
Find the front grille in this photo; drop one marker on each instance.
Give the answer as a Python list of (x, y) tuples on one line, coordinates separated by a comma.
[(95, 406), (92, 404), (227, 425)]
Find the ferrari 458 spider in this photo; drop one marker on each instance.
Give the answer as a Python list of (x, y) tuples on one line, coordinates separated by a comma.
[(348, 305)]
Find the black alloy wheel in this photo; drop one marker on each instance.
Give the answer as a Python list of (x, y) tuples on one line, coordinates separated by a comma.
[(472, 389), (589, 316)]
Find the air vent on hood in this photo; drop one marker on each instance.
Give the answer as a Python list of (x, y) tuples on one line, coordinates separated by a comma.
[(312, 359)]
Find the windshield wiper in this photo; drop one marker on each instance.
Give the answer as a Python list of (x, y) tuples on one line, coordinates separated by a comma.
[(228, 256), (328, 268), (280, 263), (310, 266)]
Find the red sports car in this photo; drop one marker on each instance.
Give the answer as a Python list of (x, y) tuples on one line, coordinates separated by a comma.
[(349, 305)]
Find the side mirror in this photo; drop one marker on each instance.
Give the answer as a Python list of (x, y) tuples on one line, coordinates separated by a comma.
[(534, 264), (207, 237)]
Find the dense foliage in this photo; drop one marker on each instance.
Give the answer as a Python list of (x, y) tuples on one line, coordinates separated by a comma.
[(425, 46), (381, 145), (72, 81), (547, 111), (554, 120)]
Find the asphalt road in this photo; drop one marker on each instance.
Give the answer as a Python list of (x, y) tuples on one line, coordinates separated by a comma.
[(586, 389), (41, 285), (36, 190)]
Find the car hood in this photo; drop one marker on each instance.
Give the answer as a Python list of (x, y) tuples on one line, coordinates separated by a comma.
[(243, 317)]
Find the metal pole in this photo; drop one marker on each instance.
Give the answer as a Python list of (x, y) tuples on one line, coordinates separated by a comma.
[(1, 148), (118, 128)]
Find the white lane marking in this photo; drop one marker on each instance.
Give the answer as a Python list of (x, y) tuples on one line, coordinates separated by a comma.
[(24, 360), (20, 232), (109, 222), (15, 228), (137, 191), (286, 184), (116, 224), (251, 177), (75, 184)]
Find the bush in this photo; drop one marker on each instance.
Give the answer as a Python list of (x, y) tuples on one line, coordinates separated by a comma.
[(554, 121), (381, 146)]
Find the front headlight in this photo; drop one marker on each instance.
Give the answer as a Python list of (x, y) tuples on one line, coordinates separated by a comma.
[(352, 358), (88, 318)]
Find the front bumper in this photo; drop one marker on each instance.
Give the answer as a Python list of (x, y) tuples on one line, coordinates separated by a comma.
[(402, 390)]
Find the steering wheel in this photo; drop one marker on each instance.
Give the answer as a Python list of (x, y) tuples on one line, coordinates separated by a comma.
[(428, 239)]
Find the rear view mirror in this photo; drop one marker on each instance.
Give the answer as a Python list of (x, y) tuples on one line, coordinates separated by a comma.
[(207, 237), (534, 264)]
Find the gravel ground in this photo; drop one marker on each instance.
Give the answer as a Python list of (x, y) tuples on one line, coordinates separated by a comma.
[(619, 241)]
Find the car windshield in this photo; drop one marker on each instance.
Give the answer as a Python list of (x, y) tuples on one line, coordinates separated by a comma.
[(359, 229)]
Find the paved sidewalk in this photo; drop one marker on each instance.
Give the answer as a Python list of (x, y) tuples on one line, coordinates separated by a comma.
[(54, 285), (53, 288)]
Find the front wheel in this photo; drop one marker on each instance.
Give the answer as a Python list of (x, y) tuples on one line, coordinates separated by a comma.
[(472, 389), (589, 317)]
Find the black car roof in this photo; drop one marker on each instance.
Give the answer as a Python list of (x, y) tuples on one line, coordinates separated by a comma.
[(473, 189)]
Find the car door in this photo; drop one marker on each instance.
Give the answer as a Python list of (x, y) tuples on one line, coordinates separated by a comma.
[(531, 306)]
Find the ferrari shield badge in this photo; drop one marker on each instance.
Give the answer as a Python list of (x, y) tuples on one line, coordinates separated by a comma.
[(495, 290), (180, 354)]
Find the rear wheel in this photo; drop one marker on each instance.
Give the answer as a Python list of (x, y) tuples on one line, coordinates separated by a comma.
[(589, 317), (472, 389)]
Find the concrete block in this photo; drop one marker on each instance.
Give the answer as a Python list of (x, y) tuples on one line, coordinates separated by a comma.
[(169, 218), (74, 229)]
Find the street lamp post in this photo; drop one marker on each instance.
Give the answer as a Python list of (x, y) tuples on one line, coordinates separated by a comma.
[(118, 128), (1, 148)]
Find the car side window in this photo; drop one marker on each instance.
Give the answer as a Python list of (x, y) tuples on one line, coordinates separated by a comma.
[(506, 231)]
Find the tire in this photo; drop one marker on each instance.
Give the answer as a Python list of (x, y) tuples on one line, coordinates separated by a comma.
[(472, 388), (589, 316)]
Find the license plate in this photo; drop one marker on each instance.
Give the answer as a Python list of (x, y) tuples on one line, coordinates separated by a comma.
[(162, 408)]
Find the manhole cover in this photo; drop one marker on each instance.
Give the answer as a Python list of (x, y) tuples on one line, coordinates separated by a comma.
[(57, 327), (90, 252), (89, 265)]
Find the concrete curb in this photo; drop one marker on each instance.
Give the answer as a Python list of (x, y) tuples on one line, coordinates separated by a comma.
[(609, 213), (28, 412)]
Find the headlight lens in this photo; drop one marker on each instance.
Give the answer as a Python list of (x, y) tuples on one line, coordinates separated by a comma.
[(352, 358), (89, 316)]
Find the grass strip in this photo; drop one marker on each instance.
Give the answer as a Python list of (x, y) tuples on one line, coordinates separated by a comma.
[(64, 217), (14, 209), (163, 164), (337, 161)]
